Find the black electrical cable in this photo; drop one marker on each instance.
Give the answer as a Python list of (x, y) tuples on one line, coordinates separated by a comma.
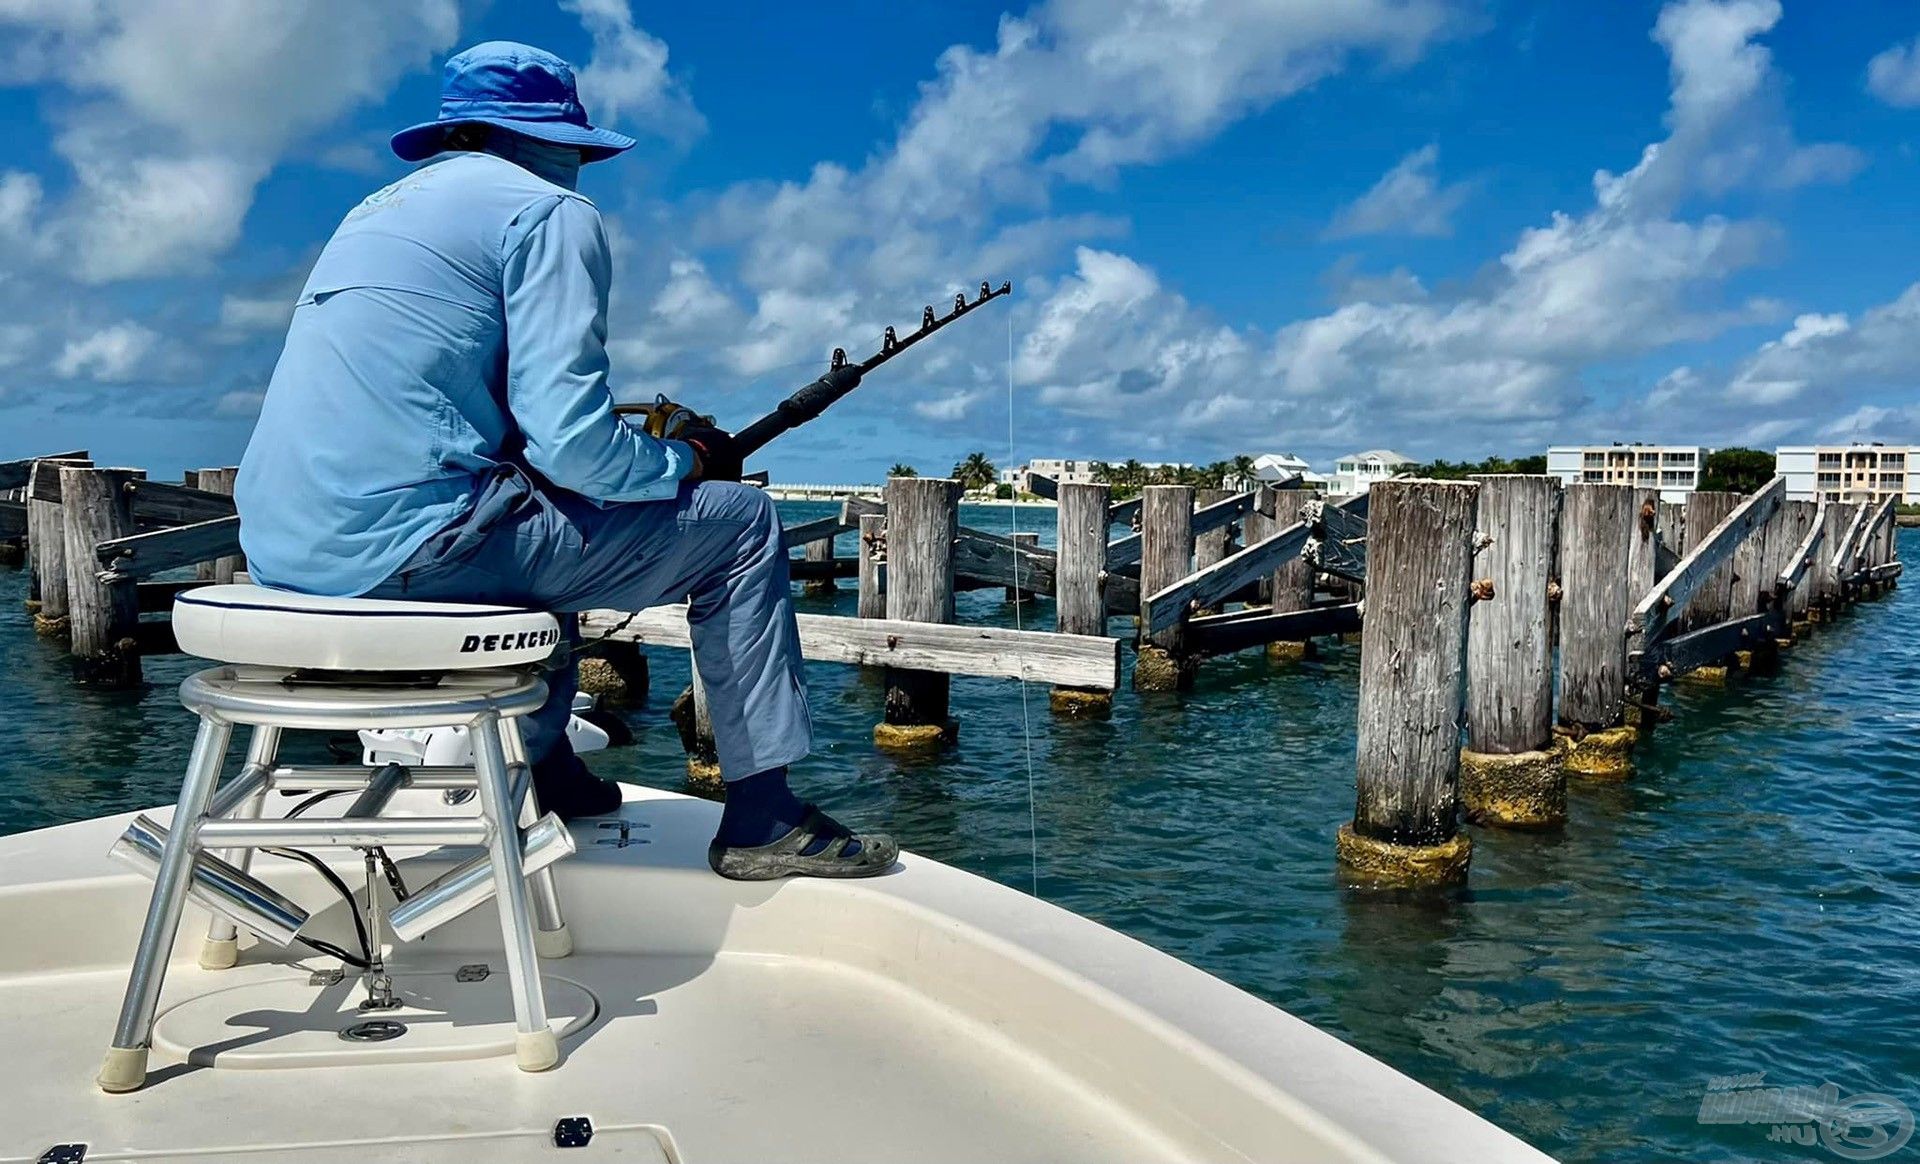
[(346, 894), (310, 801), (333, 951)]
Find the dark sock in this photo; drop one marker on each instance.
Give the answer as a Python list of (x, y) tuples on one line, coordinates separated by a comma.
[(565, 787), (761, 809)]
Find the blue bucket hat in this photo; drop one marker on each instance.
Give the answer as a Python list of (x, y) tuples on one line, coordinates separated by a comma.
[(516, 87)]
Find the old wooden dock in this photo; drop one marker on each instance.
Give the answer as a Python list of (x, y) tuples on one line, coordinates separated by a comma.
[(1515, 633)]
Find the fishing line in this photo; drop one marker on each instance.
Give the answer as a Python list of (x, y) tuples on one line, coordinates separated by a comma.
[(1026, 716)]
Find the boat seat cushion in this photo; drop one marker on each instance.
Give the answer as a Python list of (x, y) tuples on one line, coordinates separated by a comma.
[(278, 628)]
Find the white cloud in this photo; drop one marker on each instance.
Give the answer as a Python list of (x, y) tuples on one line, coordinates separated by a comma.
[(1894, 75), (1502, 357), (1069, 92), (240, 402), (113, 353), (178, 108), (1407, 199), (951, 407), (266, 312), (1726, 117), (627, 83), (1838, 358)]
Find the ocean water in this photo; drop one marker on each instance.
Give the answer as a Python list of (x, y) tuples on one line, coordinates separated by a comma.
[(1748, 903)]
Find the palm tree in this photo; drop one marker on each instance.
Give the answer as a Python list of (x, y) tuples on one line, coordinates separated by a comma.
[(1215, 475), (900, 470), (976, 472), (1243, 469)]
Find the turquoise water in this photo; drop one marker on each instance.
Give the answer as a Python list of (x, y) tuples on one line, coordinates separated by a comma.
[(1748, 903)]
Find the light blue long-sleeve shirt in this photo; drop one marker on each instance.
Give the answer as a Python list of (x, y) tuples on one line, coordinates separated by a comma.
[(455, 322)]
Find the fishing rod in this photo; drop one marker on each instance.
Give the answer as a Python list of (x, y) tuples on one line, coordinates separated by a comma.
[(664, 418)]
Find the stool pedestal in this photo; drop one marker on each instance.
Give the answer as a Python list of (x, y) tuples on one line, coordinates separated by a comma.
[(487, 703)]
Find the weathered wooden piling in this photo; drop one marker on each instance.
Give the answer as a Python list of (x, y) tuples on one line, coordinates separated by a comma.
[(1290, 587), (47, 552), (820, 552), (1643, 570), (1162, 662), (1643, 559), (1510, 771), (1214, 544), (219, 481), (103, 617), (1598, 525), (1079, 598), (695, 725), (1799, 521), (616, 675), (1670, 526), (923, 518), (1827, 593), (1713, 602), (872, 551), (1026, 541), (1405, 827), (1755, 568)]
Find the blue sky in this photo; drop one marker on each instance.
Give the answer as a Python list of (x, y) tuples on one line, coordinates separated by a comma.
[(1451, 227)]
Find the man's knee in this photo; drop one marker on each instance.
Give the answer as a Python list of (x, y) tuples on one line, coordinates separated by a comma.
[(730, 500)]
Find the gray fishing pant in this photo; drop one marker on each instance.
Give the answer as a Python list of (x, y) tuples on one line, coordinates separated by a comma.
[(716, 546)]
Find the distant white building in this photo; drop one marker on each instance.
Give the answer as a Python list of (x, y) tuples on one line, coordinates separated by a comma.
[(1063, 472), (1275, 467), (1356, 472), (1672, 469), (1863, 471)]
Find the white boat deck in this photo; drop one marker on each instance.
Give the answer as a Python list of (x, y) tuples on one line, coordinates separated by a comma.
[(926, 1015)]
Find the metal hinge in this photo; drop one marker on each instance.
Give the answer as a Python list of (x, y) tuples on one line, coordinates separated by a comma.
[(472, 972), (573, 1132), (625, 838), (64, 1154), (326, 977)]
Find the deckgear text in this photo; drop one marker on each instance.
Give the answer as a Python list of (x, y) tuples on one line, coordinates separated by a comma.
[(519, 642)]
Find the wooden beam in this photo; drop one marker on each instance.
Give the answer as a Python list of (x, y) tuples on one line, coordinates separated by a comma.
[(177, 504), (1697, 648), (1220, 634), (1126, 511), (1669, 596), (14, 474), (1885, 571), (1041, 656), (1881, 517), (1126, 551), (808, 532), (13, 518), (1211, 586), (814, 570), (144, 555), (1339, 542), (1041, 485), (1803, 555), (1843, 551), (990, 559)]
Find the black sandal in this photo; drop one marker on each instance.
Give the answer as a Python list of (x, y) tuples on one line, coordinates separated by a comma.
[(788, 856)]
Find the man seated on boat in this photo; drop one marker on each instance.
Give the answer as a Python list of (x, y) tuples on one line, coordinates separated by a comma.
[(439, 427)]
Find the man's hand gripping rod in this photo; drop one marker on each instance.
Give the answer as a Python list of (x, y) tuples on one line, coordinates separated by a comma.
[(664, 418)]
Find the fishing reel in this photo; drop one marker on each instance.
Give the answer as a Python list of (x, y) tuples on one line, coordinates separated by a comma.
[(662, 418)]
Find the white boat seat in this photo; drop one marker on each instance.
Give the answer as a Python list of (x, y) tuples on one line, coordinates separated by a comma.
[(279, 628)]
